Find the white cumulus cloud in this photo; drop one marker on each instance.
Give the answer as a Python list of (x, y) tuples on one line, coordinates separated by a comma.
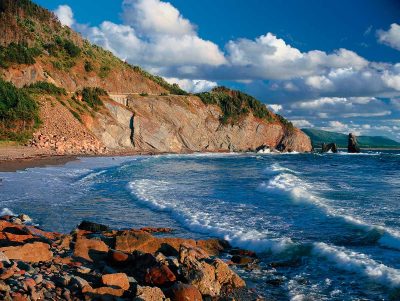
[(390, 37), (193, 86), (65, 15)]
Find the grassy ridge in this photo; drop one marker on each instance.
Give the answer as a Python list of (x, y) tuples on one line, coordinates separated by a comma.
[(236, 104)]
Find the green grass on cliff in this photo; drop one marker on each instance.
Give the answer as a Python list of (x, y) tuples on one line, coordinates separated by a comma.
[(235, 105), (19, 113)]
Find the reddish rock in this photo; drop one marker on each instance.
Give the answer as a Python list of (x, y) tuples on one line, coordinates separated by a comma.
[(225, 276), (18, 238), (108, 291), (29, 284), (213, 246), (6, 273), (18, 297), (117, 257), (146, 293), (40, 233), (32, 252), (90, 249), (157, 230), (131, 240), (185, 292), (159, 276), (116, 280)]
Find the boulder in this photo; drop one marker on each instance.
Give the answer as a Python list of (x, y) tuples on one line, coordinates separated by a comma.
[(159, 276), (185, 292), (31, 252), (93, 227), (353, 144), (225, 276), (116, 280), (90, 249), (146, 293)]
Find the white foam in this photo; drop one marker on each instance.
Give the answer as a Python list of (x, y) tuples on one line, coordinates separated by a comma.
[(159, 195), (6, 211), (358, 263), (301, 191)]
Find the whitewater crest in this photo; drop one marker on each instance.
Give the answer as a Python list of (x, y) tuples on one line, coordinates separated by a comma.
[(159, 195), (287, 181)]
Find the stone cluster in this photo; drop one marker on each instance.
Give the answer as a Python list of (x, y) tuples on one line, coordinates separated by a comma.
[(62, 145), (94, 262)]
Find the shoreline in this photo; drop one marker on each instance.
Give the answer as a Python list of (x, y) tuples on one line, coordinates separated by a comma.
[(21, 157)]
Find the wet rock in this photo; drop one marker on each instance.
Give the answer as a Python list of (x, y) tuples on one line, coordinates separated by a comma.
[(225, 276), (241, 252), (93, 227), (325, 148), (242, 260), (353, 144), (185, 292), (146, 293), (25, 218), (30, 252), (119, 280)]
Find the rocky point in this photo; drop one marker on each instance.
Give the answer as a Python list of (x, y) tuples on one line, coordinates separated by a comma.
[(95, 262)]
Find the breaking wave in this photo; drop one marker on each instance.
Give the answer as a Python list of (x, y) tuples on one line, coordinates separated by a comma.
[(301, 191)]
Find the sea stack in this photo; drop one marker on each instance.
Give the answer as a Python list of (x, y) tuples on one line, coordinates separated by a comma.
[(353, 145)]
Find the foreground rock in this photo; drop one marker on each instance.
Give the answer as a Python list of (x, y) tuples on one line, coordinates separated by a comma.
[(95, 262)]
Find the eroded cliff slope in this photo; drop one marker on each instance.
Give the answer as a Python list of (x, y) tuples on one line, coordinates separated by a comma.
[(142, 113)]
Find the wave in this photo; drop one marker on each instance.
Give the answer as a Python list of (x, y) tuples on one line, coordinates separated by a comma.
[(301, 191), (358, 263), (153, 193), (160, 195), (359, 154)]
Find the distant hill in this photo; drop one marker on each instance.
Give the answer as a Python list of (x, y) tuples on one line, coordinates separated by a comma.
[(319, 136)]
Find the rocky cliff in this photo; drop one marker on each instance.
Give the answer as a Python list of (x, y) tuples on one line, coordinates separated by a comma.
[(150, 116)]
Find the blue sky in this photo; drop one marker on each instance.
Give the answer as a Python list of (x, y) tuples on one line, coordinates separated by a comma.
[(324, 64)]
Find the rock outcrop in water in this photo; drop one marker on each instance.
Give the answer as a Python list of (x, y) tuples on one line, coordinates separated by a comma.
[(95, 262), (329, 147), (353, 145)]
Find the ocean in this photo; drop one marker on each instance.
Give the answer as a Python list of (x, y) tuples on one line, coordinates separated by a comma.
[(325, 226)]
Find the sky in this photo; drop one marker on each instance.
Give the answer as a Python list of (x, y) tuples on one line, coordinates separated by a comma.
[(332, 65)]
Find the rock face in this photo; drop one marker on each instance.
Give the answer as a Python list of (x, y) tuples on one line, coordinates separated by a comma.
[(329, 147), (184, 124), (353, 145), (85, 265)]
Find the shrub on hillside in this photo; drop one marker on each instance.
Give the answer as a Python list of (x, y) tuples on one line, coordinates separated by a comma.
[(19, 112), (71, 48), (49, 88), (88, 66), (92, 96), (18, 53), (235, 104)]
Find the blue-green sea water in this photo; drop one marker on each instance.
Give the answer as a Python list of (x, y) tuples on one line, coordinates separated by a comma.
[(326, 227)]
